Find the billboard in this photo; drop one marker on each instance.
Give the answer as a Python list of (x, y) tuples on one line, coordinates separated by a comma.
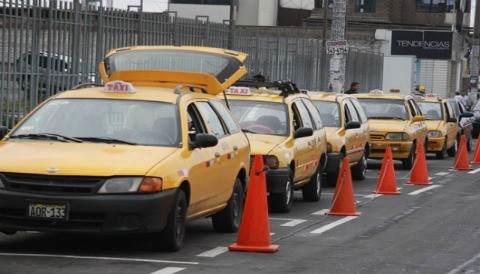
[(422, 44)]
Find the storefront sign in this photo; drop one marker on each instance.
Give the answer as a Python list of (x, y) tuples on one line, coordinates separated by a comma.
[(422, 44)]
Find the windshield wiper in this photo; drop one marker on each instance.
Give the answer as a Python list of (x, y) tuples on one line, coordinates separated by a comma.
[(107, 140), (54, 136), (383, 117), (247, 131)]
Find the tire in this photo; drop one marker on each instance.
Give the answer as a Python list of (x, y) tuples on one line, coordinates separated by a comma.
[(359, 171), (453, 150), (312, 191), (171, 238), (228, 220), (441, 154), (282, 202), (408, 163)]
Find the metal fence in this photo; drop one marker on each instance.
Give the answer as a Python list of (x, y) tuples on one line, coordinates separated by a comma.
[(48, 46)]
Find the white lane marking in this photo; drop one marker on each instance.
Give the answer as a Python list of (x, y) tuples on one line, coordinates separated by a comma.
[(168, 270), (272, 233), (442, 173), (474, 171), (370, 196), (96, 258), (462, 266), (431, 178), (423, 190), (321, 212), (214, 252), (334, 224), (291, 222)]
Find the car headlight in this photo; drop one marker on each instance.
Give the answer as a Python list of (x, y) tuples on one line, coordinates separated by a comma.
[(271, 161), (131, 185), (434, 134), (396, 136)]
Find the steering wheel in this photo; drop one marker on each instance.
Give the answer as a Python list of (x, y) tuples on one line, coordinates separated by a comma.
[(261, 128)]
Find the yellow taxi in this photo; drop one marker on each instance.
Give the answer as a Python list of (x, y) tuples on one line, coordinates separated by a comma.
[(285, 127), (396, 121), (442, 125), (145, 153), (347, 133)]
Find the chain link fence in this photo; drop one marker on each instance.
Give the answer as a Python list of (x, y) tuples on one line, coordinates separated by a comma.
[(49, 46)]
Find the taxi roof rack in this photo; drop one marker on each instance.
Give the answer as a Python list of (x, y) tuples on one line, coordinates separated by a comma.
[(286, 87), (178, 89), (86, 85)]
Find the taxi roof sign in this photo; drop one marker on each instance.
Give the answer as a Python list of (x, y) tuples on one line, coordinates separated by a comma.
[(418, 97), (239, 91), (119, 87), (431, 95), (376, 92)]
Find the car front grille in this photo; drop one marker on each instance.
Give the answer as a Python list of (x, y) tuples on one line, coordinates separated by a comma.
[(44, 184), (377, 137)]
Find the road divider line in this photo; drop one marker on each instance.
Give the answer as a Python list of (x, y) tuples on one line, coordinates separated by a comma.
[(416, 192), (474, 171), (461, 267), (321, 212), (214, 252), (331, 193), (168, 270), (370, 196), (441, 173), (96, 258), (272, 233), (334, 224), (291, 222)]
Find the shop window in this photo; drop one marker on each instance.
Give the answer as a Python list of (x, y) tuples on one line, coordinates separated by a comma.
[(435, 6), (319, 4), (364, 5)]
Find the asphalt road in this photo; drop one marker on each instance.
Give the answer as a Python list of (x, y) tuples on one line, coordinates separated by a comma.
[(425, 229)]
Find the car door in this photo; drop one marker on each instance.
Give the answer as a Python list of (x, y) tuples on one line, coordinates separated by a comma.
[(364, 128), (452, 127), (303, 146), (317, 133), (419, 128), (353, 143)]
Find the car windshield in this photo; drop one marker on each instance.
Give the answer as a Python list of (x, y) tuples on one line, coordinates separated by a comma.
[(104, 121), (384, 108), (261, 117), (220, 66), (431, 110), (329, 112)]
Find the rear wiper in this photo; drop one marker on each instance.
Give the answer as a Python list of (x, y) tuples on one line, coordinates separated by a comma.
[(54, 136), (107, 140)]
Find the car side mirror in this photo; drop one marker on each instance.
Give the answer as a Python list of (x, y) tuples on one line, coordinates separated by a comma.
[(451, 120), (203, 140), (3, 131), (466, 115), (303, 132), (352, 125), (418, 118)]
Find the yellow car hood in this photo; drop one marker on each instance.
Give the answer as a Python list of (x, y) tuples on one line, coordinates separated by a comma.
[(79, 159), (384, 125), (433, 124), (262, 144)]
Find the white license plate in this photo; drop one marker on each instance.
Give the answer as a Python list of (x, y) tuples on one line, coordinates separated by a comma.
[(58, 211)]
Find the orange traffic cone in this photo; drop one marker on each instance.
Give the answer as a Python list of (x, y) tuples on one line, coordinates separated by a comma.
[(343, 198), (254, 234), (387, 182), (419, 174), (476, 155), (461, 161)]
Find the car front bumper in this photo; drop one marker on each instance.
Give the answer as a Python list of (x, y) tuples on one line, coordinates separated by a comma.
[(99, 214), (400, 149), (435, 144)]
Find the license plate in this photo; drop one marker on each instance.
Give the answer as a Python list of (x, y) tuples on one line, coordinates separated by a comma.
[(56, 211)]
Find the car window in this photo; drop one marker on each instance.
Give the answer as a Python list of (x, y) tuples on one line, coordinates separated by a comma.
[(384, 108), (360, 112), (211, 119), (261, 117), (195, 123), (449, 110), (314, 112), (455, 109), (352, 114), (329, 113), (225, 116), (304, 115), (413, 110)]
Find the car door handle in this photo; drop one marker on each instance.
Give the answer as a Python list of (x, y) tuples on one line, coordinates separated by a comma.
[(217, 154)]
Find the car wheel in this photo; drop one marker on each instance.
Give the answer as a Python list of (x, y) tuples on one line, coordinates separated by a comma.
[(441, 154), (359, 171), (171, 238), (312, 191), (228, 220), (453, 150), (408, 163), (282, 202)]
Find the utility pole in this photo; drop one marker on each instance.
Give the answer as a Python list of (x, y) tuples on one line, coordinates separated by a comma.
[(231, 34), (474, 55), (337, 46)]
